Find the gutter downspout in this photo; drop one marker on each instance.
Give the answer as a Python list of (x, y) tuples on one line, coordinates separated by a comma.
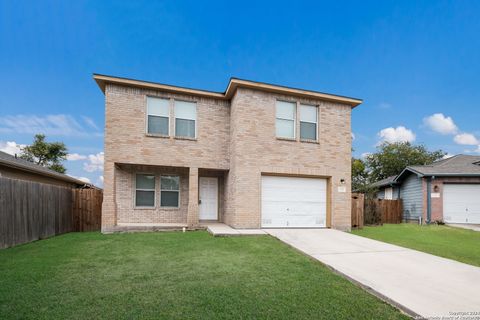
[(429, 200)]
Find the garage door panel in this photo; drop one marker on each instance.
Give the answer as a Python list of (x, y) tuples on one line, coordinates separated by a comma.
[(293, 202), (461, 203)]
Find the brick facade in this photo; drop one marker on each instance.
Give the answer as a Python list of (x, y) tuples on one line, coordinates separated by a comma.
[(235, 141)]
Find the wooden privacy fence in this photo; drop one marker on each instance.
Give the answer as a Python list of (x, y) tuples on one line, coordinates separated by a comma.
[(375, 211), (358, 200), (87, 209), (31, 211)]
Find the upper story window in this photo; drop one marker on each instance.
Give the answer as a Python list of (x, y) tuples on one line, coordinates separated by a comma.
[(185, 119), (308, 122), (285, 119), (144, 190), (158, 115)]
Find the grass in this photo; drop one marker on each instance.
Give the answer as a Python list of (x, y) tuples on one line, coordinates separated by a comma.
[(448, 242), (174, 275)]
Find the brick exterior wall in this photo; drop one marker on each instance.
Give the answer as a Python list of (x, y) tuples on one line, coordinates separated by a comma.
[(235, 141), (256, 150)]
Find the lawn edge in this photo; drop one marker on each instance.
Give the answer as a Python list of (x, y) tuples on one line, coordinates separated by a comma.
[(406, 311), (418, 250)]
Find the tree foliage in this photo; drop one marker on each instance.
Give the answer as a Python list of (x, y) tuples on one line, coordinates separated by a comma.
[(47, 154), (391, 158), (359, 174)]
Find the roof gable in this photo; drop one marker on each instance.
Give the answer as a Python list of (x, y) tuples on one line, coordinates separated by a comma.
[(234, 83)]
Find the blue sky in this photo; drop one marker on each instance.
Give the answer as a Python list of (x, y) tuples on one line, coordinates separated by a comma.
[(416, 64)]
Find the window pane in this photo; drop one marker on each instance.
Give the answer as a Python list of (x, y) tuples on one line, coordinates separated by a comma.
[(145, 182), (169, 199), (186, 110), (158, 107), (285, 110), (285, 128), (145, 198), (308, 131), (158, 125), (170, 183), (308, 113), (184, 128)]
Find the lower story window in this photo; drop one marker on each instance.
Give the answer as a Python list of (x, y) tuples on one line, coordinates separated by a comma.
[(169, 191), (145, 190)]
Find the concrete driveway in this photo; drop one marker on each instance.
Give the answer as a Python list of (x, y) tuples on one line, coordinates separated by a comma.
[(417, 282)]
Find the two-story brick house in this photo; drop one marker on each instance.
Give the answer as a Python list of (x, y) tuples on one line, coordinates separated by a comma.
[(255, 156)]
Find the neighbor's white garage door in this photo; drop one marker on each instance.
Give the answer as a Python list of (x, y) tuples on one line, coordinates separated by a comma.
[(293, 202), (461, 203)]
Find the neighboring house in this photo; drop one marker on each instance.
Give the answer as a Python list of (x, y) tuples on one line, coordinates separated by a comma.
[(16, 168), (447, 190), (256, 155), (388, 189)]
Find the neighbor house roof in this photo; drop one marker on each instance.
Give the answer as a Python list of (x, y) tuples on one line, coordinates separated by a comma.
[(234, 83), (459, 165), (384, 182), (17, 163)]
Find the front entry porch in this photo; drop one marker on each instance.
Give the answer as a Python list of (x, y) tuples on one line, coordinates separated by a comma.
[(155, 198)]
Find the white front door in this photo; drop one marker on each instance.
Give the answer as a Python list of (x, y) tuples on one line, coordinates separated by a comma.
[(208, 198), (461, 203), (291, 202)]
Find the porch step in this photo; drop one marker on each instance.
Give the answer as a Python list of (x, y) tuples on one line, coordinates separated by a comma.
[(223, 230)]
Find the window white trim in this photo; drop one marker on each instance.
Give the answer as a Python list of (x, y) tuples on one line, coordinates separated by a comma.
[(174, 116), (178, 191), (147, 114), (137, 189), (388, 193), (294, 120), (309, 121)]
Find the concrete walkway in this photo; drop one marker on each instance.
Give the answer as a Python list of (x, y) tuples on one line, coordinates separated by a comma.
[(417, 282), (474, 227), (218, 229)]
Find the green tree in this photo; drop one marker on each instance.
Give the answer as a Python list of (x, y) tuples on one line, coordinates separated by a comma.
[(391, 158), (359, 175), (47, 154)]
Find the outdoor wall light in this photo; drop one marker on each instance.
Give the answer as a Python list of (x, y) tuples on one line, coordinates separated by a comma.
[(342, 181), (435, 189)]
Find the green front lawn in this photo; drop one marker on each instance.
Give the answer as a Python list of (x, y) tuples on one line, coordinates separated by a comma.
[(448, 242), (174, 275)]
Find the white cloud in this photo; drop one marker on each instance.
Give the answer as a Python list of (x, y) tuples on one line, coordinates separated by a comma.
[(466, 139), (353, 136), (95, 162), (55, 125), (11, 147), (384, 105), (441, 124), (365, 154), (90, 122), (398, 134), (75, 157)]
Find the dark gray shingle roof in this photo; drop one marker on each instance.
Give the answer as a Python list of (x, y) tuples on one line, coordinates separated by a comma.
[(457, 166), (12, 161), (384, 182)]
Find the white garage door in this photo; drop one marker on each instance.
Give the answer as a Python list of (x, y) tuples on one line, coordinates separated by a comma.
[(293, 202), (461, 203)]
